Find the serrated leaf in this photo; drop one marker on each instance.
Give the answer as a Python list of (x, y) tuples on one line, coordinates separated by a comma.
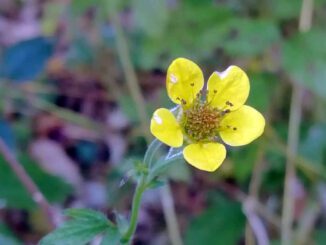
[(74, 232), (111, 237), (86, 215)]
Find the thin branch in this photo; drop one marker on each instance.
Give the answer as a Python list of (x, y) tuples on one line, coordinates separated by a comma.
[(256, 224), (293, 138), (254, 187), (169, 211), (27, 182), (241, 197)]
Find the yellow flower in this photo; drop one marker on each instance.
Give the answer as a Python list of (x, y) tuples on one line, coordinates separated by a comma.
[(205, 117)]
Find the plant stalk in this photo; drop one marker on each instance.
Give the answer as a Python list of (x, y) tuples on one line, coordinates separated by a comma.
[(141, 187), (27, 182), (293, 139), (135, 92)]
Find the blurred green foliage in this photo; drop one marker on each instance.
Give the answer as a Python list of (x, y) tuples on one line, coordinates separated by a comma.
[(221, 223), (260, 36), (14, 195)]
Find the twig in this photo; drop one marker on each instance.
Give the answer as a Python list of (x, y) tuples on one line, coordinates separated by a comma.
[(307, 223), (168, 209), (293, 138), (241, 197), (290, 171), (27, 182), (254, 186), (255, 222), (301, 162)]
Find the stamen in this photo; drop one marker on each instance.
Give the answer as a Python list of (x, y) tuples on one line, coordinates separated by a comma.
[(215, 92), (228, 103), (201, 122)]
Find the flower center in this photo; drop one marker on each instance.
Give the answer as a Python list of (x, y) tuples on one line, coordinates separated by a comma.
[(200, 122)]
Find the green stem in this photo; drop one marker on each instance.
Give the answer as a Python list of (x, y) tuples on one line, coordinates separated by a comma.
[(141, 187), (135, 92)]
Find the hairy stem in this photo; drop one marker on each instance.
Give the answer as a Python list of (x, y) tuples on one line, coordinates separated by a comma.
[(135, 92), (141, 187)]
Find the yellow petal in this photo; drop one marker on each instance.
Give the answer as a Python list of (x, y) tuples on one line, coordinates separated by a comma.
[(242, 126), (208, 156), (184, 80), (165, 127), (228, 89)]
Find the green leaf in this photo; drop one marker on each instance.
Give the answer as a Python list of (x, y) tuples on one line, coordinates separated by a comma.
[(84, 226), (156, 183), (14, 193), (307, 70), (151, 151), (86, 215), (244, 161), (25, 60), (111, 237), (122, 222), (261, 90), (8, 240), (222, 223), (243, 37), (179, 171), (7, 237), (151, 16), (314, 146), (162, 165), (284, 9), (74, 232), (320, 237)]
